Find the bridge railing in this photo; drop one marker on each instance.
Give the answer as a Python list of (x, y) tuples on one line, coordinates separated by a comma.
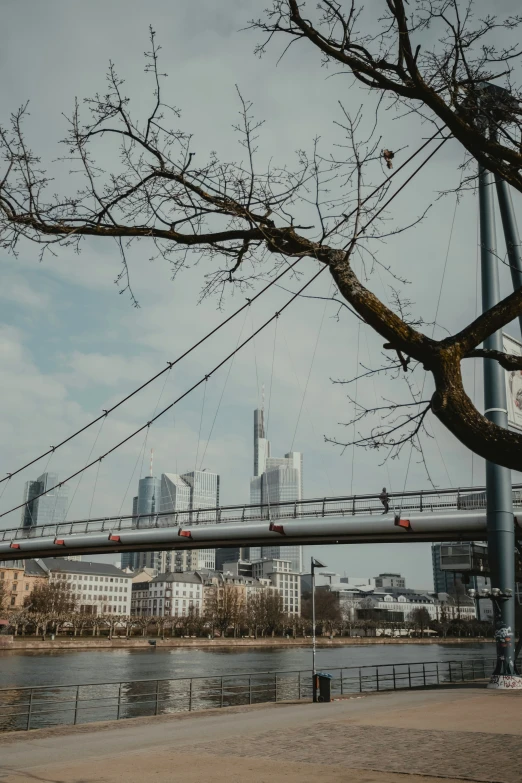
[(467, 498), (54, 705)]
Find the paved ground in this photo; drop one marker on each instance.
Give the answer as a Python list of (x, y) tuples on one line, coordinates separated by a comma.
[(408, 737)]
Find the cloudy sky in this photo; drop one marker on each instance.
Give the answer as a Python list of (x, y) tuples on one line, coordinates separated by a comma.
[(71, 346)]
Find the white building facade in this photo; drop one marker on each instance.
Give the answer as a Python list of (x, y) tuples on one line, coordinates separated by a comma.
[(286, 581), (98, 588), (169, 595)]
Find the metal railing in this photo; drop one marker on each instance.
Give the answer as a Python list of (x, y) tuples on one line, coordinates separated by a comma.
[(464, 498), (51, 705)]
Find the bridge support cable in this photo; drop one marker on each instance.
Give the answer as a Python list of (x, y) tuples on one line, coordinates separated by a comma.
[(170, 365), (226, 359), (82, 475), (437, 307), (303, 396), (390, 483), (223, 389), (306, 409), (287, 269)]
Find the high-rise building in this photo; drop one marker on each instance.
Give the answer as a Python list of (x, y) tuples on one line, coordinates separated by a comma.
[(232, 554), (44, 507), (275, 480), (466, 557), (146, 502), (190, 494), (187, 495)]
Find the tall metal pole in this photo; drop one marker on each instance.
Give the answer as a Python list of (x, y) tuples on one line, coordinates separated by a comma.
[(509, 224), (314, 683), (499, 493)]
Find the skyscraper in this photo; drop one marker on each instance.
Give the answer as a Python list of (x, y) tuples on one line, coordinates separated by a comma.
[(275, 480), (44, 507), (146, 502), (192, 493)]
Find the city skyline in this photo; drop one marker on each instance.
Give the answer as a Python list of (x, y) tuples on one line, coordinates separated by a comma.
[(173, 492)]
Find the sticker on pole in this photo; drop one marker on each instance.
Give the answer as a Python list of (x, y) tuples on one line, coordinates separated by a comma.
[(513, 384)]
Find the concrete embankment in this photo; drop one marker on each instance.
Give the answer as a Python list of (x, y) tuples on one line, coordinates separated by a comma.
[(104, 643)]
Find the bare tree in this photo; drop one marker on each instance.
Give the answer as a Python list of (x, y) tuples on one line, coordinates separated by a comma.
[(52, 597), (327, 610), (224, 606), (241, 220), (3, 595), (420, 618), (431, 57)]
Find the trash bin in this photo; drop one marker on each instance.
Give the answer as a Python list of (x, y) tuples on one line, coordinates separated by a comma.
[(324, 681)]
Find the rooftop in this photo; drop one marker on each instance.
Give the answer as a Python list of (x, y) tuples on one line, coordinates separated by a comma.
[(61, 566)]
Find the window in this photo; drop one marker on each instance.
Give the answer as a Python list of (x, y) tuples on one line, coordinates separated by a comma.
[(2, 575), (15, 575), (13, 586), (13, 601), (27, 585)]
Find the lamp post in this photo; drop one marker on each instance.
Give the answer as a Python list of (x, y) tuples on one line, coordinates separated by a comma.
[(314, 564)]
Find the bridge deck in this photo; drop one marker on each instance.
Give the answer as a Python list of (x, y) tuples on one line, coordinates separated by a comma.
[(432, 501)]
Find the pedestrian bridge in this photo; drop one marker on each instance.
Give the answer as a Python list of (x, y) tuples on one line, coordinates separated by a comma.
[(440, 515)]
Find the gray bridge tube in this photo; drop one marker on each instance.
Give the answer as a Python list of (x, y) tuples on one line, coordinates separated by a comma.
[(452, 526)]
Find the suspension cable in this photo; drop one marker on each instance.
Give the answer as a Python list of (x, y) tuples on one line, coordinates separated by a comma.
[(275, 316), (106, 412)]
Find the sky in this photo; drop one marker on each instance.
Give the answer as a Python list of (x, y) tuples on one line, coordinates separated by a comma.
[(70, 345)]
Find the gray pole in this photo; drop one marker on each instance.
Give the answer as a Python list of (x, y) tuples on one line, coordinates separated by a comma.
[(500, 523), (314, 685), (509, 224)]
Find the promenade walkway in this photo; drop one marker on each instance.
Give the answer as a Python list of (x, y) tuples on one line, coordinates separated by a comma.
[(457, 734)]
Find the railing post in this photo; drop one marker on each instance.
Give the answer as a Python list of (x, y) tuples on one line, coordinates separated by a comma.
[(394, 683), (157, 698), (250, 689), (420, 504), (438, 678), (360, 681), (222, 691), (275, 686), (449, 666), (353, 505), (119, 702), (30, 710), (461, 672), (409, 676), (472, 669), (341, 672), (458, 498), (76, 705), (424, 674), (377, 673), (190, 695)]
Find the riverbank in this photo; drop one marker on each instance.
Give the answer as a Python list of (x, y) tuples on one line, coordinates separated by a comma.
[(8, 643), (452, 734)]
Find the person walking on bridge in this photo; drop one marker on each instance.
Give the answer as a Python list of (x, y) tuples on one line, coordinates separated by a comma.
[(385, 500)]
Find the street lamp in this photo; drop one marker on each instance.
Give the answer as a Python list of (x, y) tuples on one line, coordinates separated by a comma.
[(314, 564)]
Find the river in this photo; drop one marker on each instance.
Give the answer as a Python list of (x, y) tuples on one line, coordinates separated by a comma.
[(61, 667)]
